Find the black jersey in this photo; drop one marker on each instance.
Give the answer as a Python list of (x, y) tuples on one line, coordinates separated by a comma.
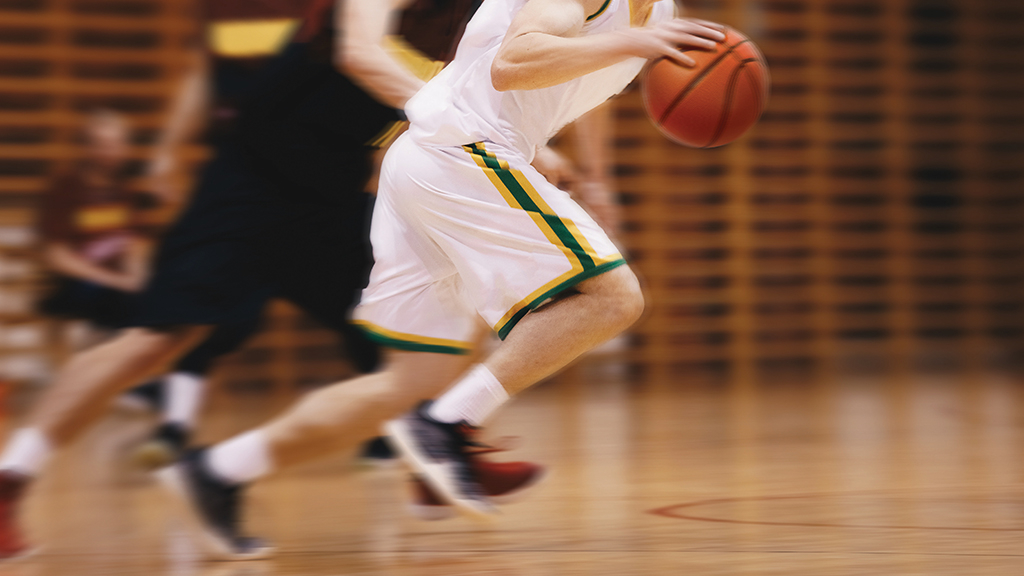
[(240, 38), (304, 87)]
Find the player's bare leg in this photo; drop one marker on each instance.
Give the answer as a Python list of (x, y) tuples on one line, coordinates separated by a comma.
[(209, 482), (79, 395), (549, 338), (341, 416), (544, 341), (85, 385)]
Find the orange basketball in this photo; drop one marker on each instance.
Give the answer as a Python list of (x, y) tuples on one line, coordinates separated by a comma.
[(714, 102)]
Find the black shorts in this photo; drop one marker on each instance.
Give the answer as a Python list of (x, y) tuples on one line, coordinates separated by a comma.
[(81, 300), (245, 239), (112, 309)]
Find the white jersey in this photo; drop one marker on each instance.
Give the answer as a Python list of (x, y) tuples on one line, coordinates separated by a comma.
[(460, 105)]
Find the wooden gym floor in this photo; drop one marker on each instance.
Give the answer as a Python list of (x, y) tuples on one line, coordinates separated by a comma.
[(649, 476)]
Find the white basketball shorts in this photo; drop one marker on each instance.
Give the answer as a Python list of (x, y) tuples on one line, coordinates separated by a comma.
[(462, 232)]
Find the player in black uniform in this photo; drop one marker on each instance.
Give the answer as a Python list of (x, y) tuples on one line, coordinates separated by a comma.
[(279, 212), (242, 37)]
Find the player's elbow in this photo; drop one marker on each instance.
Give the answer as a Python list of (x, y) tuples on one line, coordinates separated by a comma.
[(504, 75)]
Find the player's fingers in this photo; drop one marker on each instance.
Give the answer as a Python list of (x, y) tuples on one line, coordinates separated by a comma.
[(680, 58), (706, 32), (691, 41), (684, 27), (708, 24)]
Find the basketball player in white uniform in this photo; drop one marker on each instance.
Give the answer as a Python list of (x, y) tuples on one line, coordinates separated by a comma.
[(464, 228)]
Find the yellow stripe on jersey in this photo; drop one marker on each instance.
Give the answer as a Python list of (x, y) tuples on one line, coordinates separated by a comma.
[(101, 218), (412, 59), (250, 38), (599, 10)]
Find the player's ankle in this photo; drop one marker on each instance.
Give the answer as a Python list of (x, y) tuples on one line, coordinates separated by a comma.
[(473, 399), (26, 453), (183, 392), (241, 459)]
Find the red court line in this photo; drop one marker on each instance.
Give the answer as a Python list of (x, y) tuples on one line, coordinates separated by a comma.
[(673, 512)]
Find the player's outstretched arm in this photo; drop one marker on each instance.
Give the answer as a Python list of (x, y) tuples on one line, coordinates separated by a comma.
[(62, 258), (361, 54), (543, 46), (186, 117)]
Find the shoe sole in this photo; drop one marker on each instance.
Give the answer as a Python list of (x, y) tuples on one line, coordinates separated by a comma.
[(215, 546), (434, 512), (433, 475), (376, 463)]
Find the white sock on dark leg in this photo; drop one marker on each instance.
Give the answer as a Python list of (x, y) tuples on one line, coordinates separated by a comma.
[(473, 399), (241, 459), (184, 395), (27, 452)]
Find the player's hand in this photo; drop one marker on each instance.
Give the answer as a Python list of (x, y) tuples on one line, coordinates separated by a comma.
[(555, 167), (669, 39)]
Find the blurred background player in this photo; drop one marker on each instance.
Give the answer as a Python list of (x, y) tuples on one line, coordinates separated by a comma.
[(93, 243), (239, 38), (97, 246), (280, 211)]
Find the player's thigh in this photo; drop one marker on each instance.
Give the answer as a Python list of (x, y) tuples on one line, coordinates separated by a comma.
[(515, 239)]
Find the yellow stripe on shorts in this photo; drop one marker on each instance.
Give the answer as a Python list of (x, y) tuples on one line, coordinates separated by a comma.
[(561, 232), (412, 342)]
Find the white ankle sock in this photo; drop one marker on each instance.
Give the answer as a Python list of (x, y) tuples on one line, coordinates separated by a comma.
[(473, 399), (241, 459), (27, 452), (184, 395)]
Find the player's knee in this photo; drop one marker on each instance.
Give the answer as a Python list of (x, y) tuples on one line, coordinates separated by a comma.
[(148, 341), (622, 297), (156, 346), (629, 306)]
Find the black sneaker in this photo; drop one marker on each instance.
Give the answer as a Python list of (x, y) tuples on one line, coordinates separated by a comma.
[(161, 449), (145, 398), (438, 451), (212, 508), (377, 452)]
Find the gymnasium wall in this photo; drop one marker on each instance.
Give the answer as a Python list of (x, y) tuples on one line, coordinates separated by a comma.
[(875, 214)]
